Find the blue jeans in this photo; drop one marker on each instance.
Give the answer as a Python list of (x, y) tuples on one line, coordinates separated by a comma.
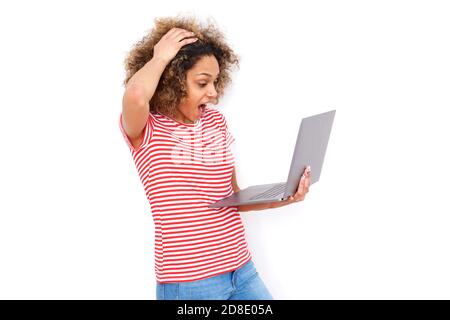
[(241, 284)]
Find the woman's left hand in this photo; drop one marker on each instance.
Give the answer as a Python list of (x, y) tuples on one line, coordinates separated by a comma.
[(303, 189)]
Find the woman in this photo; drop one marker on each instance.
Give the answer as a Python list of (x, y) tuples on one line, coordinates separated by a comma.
[(181, 149)]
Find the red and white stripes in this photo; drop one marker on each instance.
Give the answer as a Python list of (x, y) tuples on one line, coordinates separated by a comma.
[(184, 168)]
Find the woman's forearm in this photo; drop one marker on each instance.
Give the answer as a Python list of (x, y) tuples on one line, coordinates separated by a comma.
[(259, 206), (147, 78)]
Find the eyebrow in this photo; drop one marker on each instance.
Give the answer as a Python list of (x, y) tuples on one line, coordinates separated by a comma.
[(205, 74)]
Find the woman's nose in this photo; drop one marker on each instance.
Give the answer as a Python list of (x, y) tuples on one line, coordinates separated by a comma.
[(212, 92)]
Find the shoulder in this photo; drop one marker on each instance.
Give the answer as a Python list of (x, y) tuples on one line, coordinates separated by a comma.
[(212, 111), (216, 115)]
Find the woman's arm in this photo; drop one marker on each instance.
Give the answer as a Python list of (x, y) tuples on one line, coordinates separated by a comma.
[(141, 87), (261, 206)]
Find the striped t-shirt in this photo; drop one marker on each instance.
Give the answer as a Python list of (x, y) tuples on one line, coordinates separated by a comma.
[(184, 168)]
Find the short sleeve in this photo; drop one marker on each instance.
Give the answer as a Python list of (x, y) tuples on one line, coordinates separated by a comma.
[(148, 132)]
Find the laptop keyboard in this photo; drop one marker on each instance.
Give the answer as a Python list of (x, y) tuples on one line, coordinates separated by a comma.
[(272, 192)]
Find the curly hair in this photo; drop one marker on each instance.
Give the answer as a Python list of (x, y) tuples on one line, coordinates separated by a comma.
[(171, 88)]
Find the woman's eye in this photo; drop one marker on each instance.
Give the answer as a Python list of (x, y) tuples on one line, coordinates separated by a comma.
[(204, 84)]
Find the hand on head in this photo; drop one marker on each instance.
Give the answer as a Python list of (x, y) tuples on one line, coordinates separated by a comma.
[(169, 45)]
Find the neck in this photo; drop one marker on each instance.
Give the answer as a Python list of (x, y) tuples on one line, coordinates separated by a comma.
[(180, 117), (183, 119)]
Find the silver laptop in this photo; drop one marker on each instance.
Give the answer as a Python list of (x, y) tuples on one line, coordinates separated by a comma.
[(310, 148)]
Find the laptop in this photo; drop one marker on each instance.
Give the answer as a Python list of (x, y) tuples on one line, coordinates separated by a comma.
[(310, 148)]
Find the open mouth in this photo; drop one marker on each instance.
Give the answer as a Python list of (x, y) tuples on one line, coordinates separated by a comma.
[(201, 108)]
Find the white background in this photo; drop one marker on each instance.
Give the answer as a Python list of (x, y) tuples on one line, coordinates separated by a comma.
[(75, 223)]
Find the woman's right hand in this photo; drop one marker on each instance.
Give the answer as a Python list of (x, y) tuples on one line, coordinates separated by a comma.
[(169, 45)]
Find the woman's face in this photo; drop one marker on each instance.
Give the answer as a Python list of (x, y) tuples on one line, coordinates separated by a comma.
[(201, 89)]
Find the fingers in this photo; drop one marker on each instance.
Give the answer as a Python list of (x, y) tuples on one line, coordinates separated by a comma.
[(178, 34), (303, 186), (169, 45), (182, 37), (187, 41), (307, 181), (173, 32), (300, 191)]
